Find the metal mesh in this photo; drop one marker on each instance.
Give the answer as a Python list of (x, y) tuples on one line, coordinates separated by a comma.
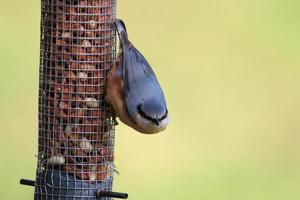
[(76, 130)]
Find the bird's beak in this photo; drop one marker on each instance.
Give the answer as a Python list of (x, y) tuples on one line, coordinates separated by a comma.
[(156, 122)]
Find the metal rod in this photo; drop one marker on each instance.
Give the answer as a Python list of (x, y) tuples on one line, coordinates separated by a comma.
[(27, 182), (100, 194)]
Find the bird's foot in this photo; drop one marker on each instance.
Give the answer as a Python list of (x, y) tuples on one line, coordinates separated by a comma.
[(116, 123)]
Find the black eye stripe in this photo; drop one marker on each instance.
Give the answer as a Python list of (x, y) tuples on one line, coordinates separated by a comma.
[(165, 116), (143, 113), (150, 118)]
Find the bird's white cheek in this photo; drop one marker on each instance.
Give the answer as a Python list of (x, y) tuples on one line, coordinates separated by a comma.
[(164, 123), (141, 122), (144, 124)]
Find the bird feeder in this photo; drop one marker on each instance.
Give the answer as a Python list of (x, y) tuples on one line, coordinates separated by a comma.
[(76, 128)]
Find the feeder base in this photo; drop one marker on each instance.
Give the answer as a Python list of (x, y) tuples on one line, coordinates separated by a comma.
[(56, 185)]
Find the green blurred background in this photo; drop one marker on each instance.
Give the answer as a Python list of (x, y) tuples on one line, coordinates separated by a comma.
[(230, 72)]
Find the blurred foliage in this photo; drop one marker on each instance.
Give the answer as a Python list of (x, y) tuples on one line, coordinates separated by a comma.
[(230, 72)]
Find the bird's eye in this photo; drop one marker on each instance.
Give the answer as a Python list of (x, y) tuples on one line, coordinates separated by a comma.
[(142, 113), (164, 116)]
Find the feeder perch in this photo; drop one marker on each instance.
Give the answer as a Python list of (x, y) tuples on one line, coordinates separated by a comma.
[(76, 128)]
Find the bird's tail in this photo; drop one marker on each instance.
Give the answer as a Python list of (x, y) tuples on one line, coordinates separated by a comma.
[(122, 32)]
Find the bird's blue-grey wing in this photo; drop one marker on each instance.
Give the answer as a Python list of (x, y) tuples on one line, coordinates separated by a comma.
[(140, 82), (135, 68)]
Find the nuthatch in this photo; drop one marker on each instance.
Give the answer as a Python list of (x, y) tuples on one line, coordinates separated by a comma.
[(134, 91)]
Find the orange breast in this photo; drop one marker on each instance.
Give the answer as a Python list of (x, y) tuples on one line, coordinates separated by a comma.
[(115, 99)]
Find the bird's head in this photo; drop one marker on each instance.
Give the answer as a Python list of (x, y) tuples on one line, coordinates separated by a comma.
[(152, 116)]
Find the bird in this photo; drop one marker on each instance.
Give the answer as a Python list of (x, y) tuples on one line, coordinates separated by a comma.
[(133, 90)]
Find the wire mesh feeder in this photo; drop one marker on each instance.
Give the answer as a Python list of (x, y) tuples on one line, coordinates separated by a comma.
[(76, 129)]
